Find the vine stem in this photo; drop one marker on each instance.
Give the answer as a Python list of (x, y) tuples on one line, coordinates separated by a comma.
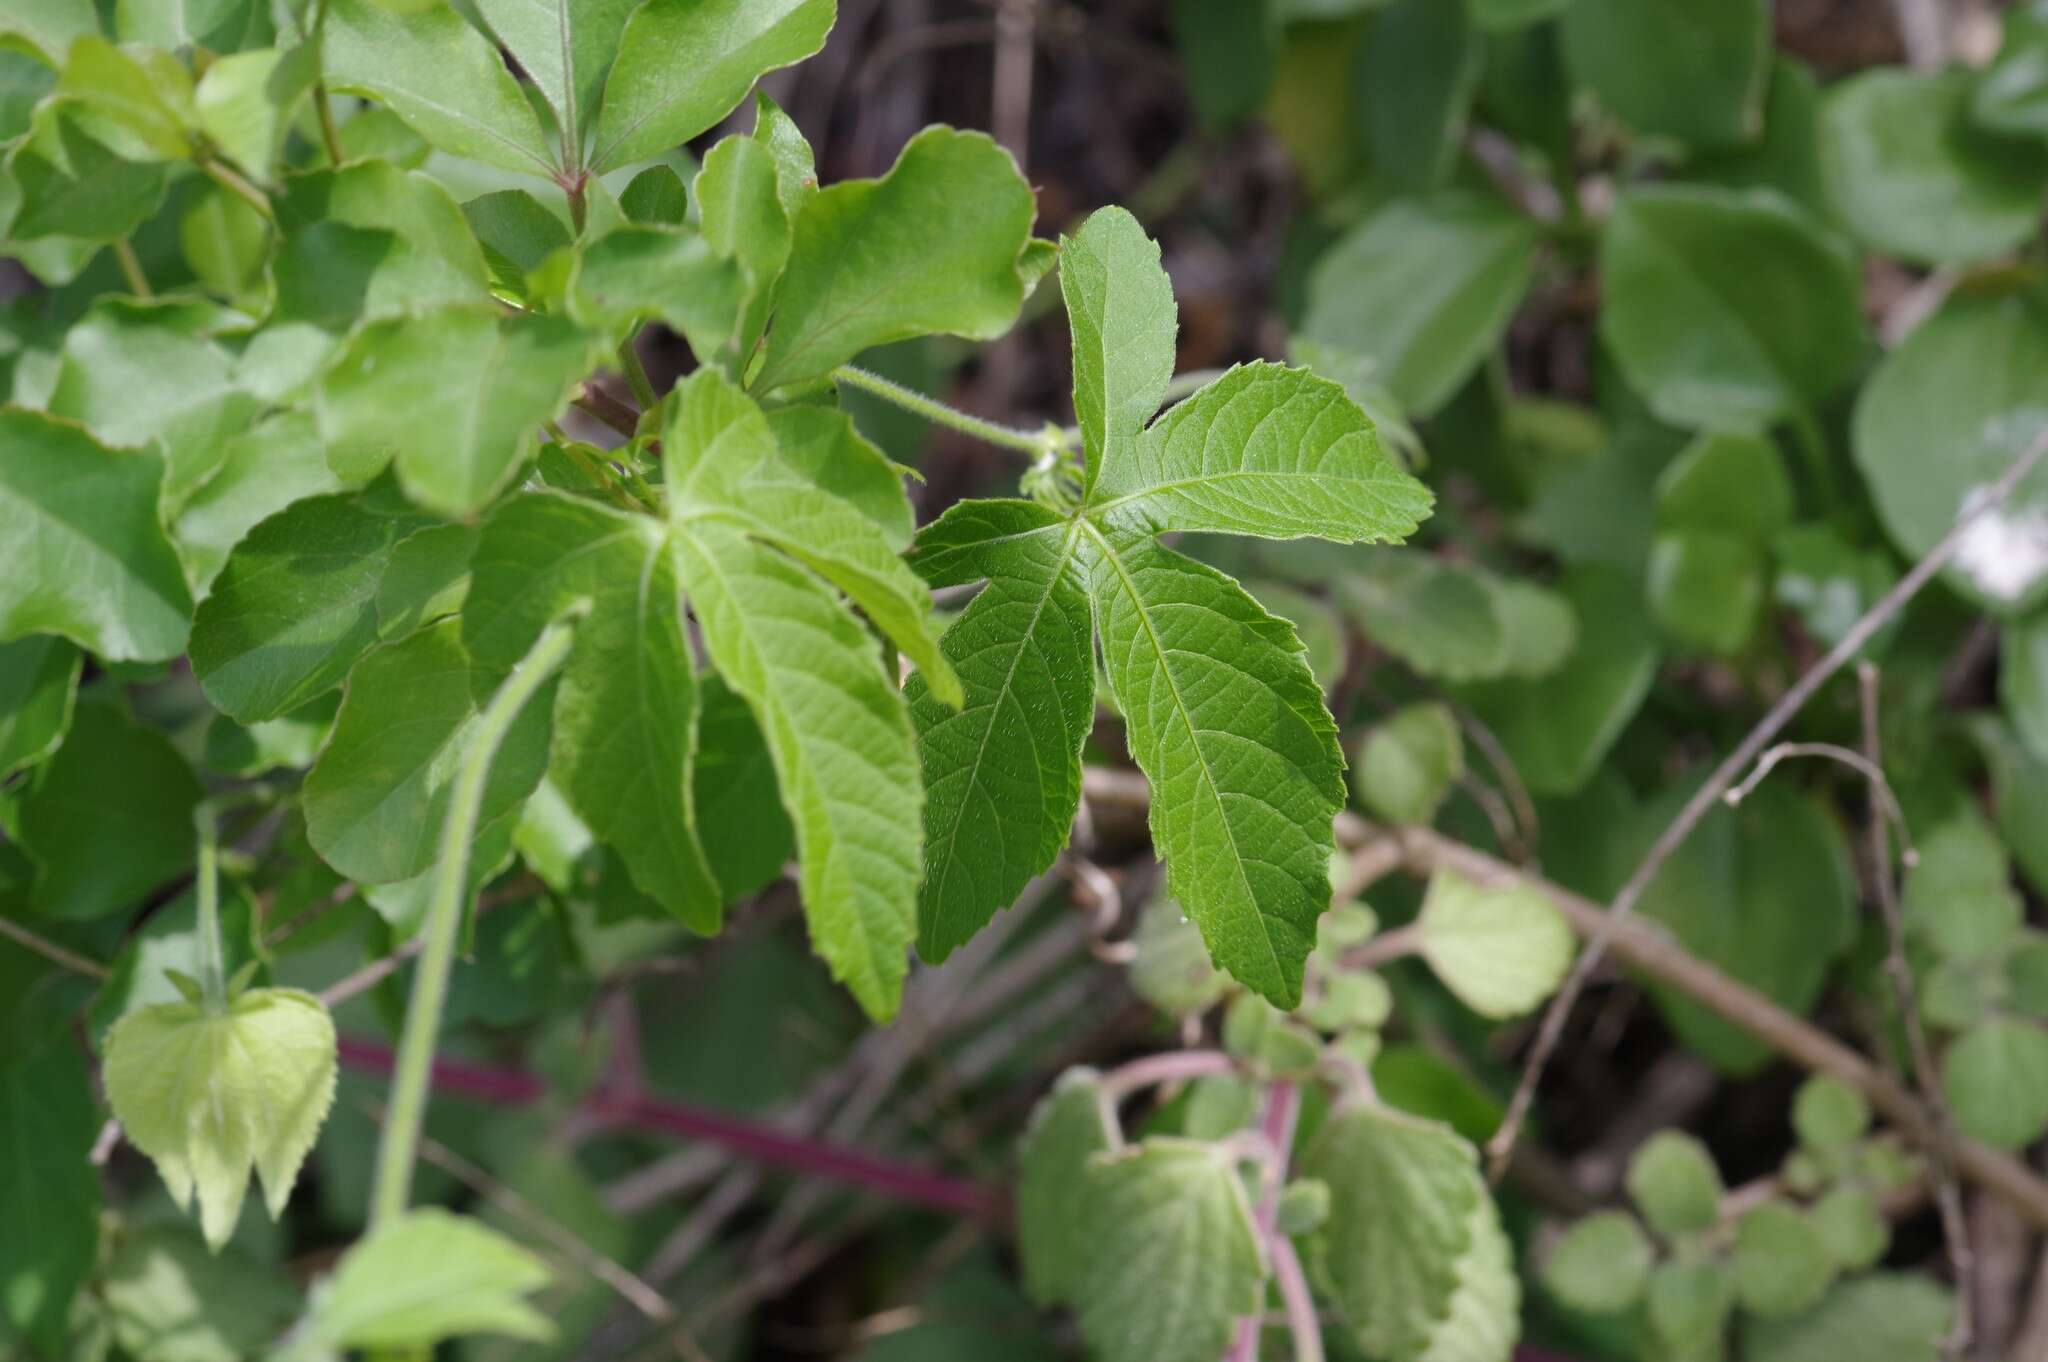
[(1276, 1126), (239, 187), (1175, 1066), (131, 269), (939, 414), (1502, 1145), (398, 1145), (213, 981), (636, 374), (51, 951), (1651, 951)]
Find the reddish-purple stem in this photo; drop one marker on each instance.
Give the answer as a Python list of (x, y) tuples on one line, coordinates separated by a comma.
[(1175, 1066), (746, 1139), (1283, 1107)]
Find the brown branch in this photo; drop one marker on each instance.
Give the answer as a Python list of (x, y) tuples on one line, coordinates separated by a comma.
[(1940, 1123), (1725, 775), (1650, 951)]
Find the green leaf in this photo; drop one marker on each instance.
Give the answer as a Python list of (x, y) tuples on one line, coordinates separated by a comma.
[(295, 605), (1968, 383), (1688, 1308), (836, 726), (1171, 1259), (1321, 630), (1885, 1317), (165, 946), (1406, 1196), (219, 25), (1674, 1183), (71, 185), (1171, 968), (625, 717), (1121, 312), (87, 557), (936, 245), (737, 477), (744, 221), (1690, 70), (168, 1297), (2023, 680), (138, 100), (2012, 96), (1995, 1077), (1485, 1315), (566, 50), (48, 1123), (1706, 589), (45, 29), (1502, 949), (1601, 1264), (133, 373), (424, 1277), (452, 397), (1055, 1202), (371, 240), (727, 46), (1829, 1114), (634, 272), (38, 682), (1787, 157), (1408, 763), (1424, 290), (655, 198), (1558, 730), (427, 578), (211, 1098), (1226, 51), (518, 233), (1959, 897), (1002, 773), (1264, 450), (823, 447), (1909, 174), (796, 170), (1229, 727), (1439, 617), (1726, 309), (441, 76), (1781, 1263), (107, 818), (246, 102), (1417, 74), (740, 818), (376, 799), (1731, 483), (1764, 892), (1831, 582), (1852, 1227)]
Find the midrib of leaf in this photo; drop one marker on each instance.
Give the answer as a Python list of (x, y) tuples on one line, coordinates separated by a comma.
[(1187, 719), (572, 132), (973, 769), (473, 409)]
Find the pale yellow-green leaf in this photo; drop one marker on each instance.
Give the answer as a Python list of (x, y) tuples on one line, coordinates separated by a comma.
[(1501, 948), (213, 1098)]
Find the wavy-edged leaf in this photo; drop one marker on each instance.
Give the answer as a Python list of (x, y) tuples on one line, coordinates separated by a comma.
[(1264, 450), (625, 718), (296, 603), (1002, 773), (1484, 1318), (82, 553), (441, 76), (426, 1276), (633, 272), (452, 397), (936, 245), (377, 798), (1228, 724), (1070, 1126), (724, 45), (1172, 1257), (213, 1098), (1121, 311)]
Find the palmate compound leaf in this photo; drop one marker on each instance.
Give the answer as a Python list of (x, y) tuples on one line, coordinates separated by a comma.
[(212, 1097), (1221, 709), (625, 718), (1412, 1251), (757, 549), (1172, 1257)]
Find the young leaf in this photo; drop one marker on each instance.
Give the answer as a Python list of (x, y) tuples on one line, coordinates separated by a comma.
[(1407, 765), (246, 102), (1851, 1227), (211, 1098), (1674, 1183), (1688, 1307), (1003, 772), (634, 272), (1781, 1263), (81, 551), (744, 221), (566, 50), (1172, 1258), (441, 76), (935, 245), (1484, 1318), (1601, 1263), (47, 1123), (1405, 1200), (1054, 1197), (625, 718), (1995, 1078), (367, 241), (295, 606), (453, 397), (1693, 70), (1502, 949), (72, 185), (1829, 1114), (728, 44), (1884, 1317), (424, 1277), (1121, 311)]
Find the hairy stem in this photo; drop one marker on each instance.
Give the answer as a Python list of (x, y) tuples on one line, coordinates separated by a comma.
[(213, 981), (399, 1143), (1300, 1305), (939, 414), (1725, 775), (636, 374), (1276, 1125)]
